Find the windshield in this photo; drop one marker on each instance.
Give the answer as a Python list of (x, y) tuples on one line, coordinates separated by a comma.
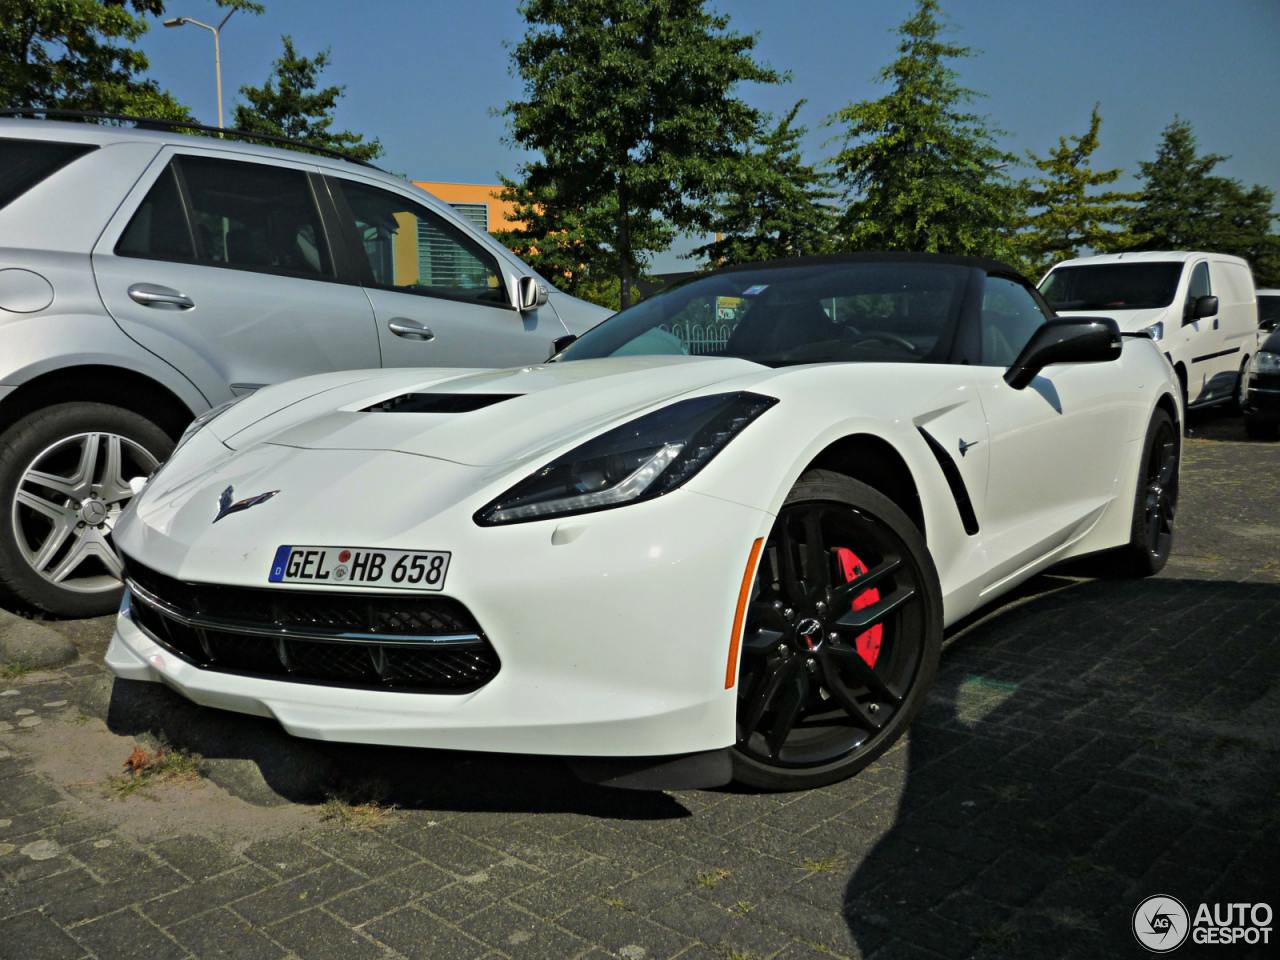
[(885, 312), (1112, 286), (1268, 309)]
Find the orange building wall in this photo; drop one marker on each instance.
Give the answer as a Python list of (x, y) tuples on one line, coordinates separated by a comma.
[(473, 193)]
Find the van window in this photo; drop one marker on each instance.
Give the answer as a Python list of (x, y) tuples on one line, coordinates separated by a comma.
[(24, 163), (1198, 287)]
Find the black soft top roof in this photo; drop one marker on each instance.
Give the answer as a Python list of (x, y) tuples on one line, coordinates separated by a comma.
[(981, 263)]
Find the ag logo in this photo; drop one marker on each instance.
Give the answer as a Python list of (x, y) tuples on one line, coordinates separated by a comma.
[(1160, 923)]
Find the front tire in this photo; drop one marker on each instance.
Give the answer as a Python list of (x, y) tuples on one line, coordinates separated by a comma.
[(1154, 504), (843, 632), (64, 480)]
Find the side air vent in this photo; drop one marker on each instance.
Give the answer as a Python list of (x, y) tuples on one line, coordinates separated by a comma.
[(956, 482), (439, 402)]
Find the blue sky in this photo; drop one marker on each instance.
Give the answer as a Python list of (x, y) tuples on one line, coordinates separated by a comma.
[(423, 76)]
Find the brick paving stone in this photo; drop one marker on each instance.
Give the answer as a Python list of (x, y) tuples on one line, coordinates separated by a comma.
[(420, 936), (618, 929), (558, 894), (32, 936), (363, 904), (522, 935), (221, 934), (318, 936), (98, 901), (722, 930), (127, 936), (208, 894), (286, 857), (196, 857), (299, 894)]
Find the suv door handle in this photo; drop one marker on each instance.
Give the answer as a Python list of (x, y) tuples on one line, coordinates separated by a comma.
[(409, 329), (154, 295)]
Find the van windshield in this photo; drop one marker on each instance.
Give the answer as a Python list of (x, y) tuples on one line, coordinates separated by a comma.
[(1112, 286)]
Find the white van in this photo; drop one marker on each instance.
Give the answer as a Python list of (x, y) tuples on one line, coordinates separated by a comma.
[(1200, 307)]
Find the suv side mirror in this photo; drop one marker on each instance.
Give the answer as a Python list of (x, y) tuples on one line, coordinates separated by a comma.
[(1267, 324), (1065, 340), (1204, 307), (532, 294)]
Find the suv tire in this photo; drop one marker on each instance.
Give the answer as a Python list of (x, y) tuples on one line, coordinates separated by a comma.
[(64, 479)]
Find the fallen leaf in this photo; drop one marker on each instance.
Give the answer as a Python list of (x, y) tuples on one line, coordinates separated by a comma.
[(137, 760)]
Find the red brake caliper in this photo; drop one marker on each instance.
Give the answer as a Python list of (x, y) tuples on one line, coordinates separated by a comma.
[(867, 644)]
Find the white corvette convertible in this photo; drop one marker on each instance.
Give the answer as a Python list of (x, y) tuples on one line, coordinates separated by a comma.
[(719, 535)]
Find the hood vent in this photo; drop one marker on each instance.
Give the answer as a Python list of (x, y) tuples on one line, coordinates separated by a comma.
[(439, 402)]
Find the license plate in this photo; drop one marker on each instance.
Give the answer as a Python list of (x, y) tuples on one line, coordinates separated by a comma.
[(360, 567)]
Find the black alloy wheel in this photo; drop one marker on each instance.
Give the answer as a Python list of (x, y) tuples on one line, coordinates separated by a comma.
[(1155, 504), (843, 629)]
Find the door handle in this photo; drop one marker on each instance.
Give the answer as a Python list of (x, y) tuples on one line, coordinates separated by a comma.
[(409, 329), (154, 295)]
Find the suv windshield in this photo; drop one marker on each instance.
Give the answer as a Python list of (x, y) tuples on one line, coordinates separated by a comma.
[(812, 313), (1112, 286), (1268, 308)]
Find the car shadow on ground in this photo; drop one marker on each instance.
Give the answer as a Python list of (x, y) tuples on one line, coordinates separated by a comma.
[(284, 768), (1080, 752)]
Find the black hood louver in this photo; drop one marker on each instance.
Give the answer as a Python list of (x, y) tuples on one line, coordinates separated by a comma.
[(439, 402)]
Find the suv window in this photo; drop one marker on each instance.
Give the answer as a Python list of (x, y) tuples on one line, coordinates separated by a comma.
[(411, 249), (24, 163), (1010, 315), (248, 216), (1198, 287)]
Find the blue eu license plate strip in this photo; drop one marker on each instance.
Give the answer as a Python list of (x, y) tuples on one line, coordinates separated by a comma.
[(360, 567)]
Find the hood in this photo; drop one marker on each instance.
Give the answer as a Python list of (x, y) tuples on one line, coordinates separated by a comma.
[(1129, 320), (517, 412)]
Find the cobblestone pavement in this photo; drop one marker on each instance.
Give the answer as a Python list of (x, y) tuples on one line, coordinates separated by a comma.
[(1088, 744)]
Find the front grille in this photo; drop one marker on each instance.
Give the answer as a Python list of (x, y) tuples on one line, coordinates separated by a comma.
[(387, 642)]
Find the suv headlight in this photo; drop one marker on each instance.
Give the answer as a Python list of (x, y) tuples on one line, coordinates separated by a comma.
[(1265, 362), (640, 460)]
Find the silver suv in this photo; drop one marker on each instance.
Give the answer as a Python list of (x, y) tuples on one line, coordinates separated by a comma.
[(148, 275)]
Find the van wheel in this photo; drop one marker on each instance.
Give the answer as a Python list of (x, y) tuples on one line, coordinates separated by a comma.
[(64, 481)]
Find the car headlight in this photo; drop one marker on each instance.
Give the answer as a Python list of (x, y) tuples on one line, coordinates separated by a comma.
[(202, 421), (1265, 362), (1155, 331), (640, 460)]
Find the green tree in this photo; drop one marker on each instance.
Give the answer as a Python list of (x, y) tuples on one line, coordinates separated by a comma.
[(630, 105), (79, 55), (1068, 215), (776, 205), (292, 104), (920, 171), (1184, 205)]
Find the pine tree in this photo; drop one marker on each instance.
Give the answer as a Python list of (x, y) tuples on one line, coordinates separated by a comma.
[(1069, 217), (631, 106), (920, 171), (285, 106), (777, 205), (1185, 206)]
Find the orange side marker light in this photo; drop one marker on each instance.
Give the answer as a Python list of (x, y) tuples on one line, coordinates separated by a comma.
[(740, 615)]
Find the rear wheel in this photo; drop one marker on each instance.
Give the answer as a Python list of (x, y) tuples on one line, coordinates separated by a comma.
[(842, 636), (64, 481)]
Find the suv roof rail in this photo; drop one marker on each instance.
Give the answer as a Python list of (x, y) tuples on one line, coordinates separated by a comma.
[(156, 123)]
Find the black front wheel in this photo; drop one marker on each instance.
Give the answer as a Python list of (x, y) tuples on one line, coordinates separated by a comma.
[(842, 636), (1155, 503)]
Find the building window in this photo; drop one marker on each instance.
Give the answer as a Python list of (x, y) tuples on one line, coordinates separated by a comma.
[(477, 213)]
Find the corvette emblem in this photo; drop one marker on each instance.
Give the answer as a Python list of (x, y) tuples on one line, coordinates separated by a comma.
[(225, 506)]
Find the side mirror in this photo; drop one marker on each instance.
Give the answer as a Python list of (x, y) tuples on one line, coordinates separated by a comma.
[(1268, 324), (559, 343), (1065, 340), (1202, 307), (532, 294)]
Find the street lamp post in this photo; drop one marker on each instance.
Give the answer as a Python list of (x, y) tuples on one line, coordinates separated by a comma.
[(217, 50)]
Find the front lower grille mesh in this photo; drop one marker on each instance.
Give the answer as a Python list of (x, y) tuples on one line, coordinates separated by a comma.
[(369, 641)]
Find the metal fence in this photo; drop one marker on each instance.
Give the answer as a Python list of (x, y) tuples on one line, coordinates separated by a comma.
[(699, 338)]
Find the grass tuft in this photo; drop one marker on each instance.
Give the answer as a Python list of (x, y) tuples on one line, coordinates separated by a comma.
[(1001, 936), (12, 671), (825, 865), (146, 770), (1010, 792), (709, 878)]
